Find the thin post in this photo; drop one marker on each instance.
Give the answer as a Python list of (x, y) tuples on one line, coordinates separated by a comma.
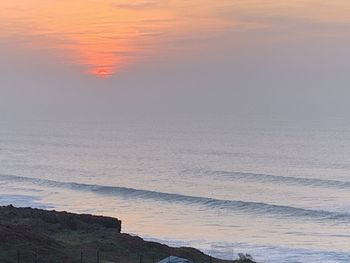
[(140, 258), (153, 259), (98, 256)]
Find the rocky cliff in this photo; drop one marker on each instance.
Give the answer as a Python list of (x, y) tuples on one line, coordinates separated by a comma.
[(32, 235)]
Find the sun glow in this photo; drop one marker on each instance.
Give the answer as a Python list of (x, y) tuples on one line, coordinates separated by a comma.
[(98, 35), (103, 37)]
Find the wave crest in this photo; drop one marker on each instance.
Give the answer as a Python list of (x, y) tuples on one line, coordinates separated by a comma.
[(254, 208)]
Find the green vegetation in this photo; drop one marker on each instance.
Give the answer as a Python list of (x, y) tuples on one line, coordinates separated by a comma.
[(34, 235)]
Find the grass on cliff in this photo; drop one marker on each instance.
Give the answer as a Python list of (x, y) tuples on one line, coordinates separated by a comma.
[(60, 237)]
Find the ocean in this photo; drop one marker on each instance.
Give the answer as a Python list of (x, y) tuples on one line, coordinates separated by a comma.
[(278, 191)]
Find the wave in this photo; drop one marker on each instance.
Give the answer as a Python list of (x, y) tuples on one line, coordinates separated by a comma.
[(278, 179), (254, 208)]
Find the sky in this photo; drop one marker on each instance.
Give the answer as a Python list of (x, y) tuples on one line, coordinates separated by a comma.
[(288, 57)]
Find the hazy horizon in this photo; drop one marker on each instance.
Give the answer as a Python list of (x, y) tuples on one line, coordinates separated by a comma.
[(287, 58)]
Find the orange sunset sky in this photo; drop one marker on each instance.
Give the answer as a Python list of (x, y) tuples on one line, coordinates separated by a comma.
[(239, 57), (104, 37)]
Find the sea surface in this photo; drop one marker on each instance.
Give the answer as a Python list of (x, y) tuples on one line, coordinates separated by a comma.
[(279, 191)]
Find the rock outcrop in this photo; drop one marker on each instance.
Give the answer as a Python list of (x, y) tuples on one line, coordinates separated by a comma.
[(63, 219), (35, 235)]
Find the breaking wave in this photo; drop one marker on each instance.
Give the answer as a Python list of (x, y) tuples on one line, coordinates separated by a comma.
[(278, 179), (254, 208)]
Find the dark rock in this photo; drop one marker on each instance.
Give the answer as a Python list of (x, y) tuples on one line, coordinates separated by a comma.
[(62, 236), (63, 219)]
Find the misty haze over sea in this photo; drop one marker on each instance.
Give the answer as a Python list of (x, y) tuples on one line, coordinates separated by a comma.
[(277, 191)]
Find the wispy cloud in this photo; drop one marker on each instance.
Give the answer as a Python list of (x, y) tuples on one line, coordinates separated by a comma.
[(137, 5)]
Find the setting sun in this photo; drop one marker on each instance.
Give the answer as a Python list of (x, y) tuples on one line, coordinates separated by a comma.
[(97, 35)]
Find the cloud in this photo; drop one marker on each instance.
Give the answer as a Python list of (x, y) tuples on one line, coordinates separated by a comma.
[(137, 5)]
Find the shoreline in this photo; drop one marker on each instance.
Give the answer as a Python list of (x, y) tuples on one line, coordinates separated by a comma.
[(53, 236)]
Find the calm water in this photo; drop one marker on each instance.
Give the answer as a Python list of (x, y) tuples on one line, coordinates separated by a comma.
[(279, 191)]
